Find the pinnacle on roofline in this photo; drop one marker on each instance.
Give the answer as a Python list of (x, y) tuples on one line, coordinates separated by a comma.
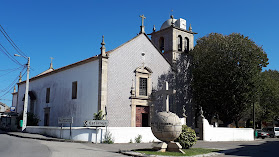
[(103, 48), (172, 23), (190, 28), (20, 77)]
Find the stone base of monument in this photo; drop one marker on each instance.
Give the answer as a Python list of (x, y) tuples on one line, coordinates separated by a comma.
[(170, 147), (160, 147), (174, 147)]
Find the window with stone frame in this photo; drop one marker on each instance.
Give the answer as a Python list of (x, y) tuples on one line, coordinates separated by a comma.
[(143, 86), (74, 90), (47, 95), (143, 80)]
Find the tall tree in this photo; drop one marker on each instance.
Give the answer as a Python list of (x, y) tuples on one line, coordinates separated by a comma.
[(226, 74), (268, 108)]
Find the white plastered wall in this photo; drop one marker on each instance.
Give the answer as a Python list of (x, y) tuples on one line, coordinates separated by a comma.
[(211, 133), (61, 103)]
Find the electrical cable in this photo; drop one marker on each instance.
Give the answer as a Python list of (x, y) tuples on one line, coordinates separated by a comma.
[(6, 99), (11, 41), (11, 87), (11, 69), (8, 72), (13, 83), (8, 54)]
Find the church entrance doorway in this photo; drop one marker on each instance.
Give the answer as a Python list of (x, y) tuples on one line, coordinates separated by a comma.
[(142, 116)]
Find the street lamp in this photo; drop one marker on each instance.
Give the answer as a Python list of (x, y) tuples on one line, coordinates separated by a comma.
[(26, 94)]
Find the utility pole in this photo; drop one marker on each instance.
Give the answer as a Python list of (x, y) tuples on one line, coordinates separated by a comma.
[(26, 94), (26, 98), (254, 126)]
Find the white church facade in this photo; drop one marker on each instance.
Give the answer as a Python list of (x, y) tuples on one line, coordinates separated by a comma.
[(118, 82)]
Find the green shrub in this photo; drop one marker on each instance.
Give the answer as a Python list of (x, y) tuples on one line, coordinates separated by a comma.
[(108, 138), (32, 119), (138, 139), (187, 138), (99, 115)]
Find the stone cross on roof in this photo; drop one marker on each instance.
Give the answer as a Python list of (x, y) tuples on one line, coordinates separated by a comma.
[(142, 19), (142, 24), (166, 92)]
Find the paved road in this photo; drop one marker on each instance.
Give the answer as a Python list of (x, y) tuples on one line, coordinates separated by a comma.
[(26, 147), (17, 147), (65, 149), (268, 147), (20, 147)]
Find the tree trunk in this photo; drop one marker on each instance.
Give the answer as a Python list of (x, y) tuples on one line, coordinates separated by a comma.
[(236, 123)]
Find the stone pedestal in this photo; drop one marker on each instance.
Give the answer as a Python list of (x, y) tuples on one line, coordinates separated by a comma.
[(171, 147), (160, 147), (175, 147)]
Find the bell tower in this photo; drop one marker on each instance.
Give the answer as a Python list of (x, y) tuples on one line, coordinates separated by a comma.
[(173, 38)]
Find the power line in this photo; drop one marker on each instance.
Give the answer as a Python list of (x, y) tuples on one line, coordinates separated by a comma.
[(9, 72), (8, 54), (6, 99), (11, 86), (7, 89), (11, 41), (10, 69)]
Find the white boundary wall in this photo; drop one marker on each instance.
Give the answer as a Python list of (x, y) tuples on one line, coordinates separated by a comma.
[(119, 134), (211, 133)]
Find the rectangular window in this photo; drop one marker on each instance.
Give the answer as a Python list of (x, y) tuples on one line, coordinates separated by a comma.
[(143, 86), (74, 90), (47, 95)]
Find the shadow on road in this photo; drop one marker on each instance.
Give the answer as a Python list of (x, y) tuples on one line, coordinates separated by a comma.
[(268, 149), (2, 132)]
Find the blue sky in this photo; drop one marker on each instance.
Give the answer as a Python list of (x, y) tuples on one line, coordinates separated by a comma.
[(71, 30)]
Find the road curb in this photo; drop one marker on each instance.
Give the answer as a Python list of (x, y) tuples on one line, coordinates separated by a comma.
[(136, 154), (46, 139)]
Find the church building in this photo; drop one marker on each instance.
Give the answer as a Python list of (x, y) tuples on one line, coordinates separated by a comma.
[(119, 82)]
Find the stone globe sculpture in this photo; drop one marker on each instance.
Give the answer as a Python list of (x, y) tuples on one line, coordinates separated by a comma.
[(166, 126)]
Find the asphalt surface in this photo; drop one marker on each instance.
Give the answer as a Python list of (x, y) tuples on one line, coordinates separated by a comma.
[(24, 144), (12, 146), (19, 147), (260, 148)]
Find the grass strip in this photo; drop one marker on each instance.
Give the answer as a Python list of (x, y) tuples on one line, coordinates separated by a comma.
[(188, 152)]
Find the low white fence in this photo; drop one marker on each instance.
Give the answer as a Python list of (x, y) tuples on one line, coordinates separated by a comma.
[(211, 133), (119, 134)]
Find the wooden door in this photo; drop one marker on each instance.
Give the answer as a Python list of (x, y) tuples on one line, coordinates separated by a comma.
[(142, 114)]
